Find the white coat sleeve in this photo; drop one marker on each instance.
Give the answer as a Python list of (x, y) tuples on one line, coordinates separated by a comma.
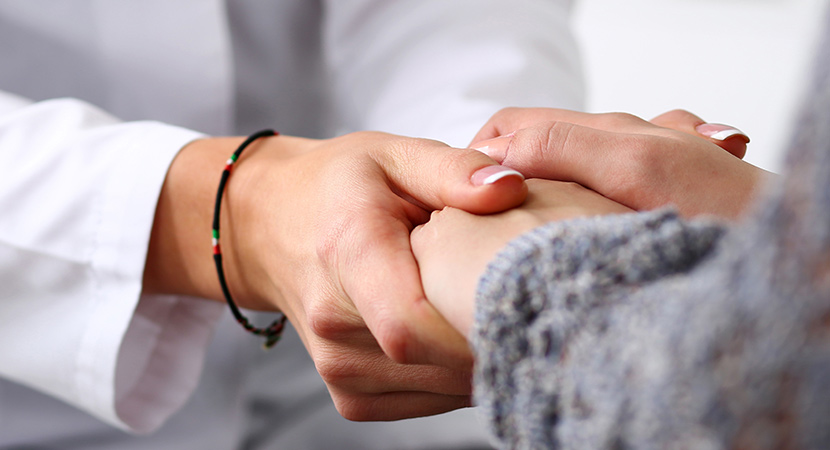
[(78, 197), (440, 69)]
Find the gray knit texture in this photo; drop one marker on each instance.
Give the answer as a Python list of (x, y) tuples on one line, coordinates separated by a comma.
[(646, 331)]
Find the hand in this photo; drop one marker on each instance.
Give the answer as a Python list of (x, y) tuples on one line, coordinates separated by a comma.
[(627, 159), (320, 230), (726, 137), (454, 247)]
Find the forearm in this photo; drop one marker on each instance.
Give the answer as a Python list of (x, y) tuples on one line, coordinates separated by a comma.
[(179, 255)]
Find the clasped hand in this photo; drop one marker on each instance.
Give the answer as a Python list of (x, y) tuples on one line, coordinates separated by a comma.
[(320, 230), (338, 214), (582, 165)]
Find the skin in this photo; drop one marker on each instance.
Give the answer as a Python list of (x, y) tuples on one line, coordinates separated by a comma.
[(605, 164), (637, 163), (454, 247), (317, 229)]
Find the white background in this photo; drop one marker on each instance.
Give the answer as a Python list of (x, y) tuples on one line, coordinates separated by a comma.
[(741, 62)]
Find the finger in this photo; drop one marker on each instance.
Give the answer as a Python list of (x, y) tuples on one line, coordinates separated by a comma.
[(597, 159), (380, 275), (509, 120), (370, 371), (436, 175), (396, 405), (726, 137)]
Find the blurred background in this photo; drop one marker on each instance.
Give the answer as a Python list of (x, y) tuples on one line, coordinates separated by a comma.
[(740, 62)]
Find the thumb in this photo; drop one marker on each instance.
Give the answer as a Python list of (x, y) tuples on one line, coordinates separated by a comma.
[(438, 176)]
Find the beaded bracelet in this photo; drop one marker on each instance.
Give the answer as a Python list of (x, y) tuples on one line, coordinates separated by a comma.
[(273, 332)]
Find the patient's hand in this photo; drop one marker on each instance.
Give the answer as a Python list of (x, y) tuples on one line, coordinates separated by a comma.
[(454, 247), (641, 164)]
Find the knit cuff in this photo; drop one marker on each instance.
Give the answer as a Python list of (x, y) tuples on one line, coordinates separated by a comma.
[(545, 285)]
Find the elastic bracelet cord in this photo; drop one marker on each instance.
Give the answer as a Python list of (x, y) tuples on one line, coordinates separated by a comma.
[(273, 332)]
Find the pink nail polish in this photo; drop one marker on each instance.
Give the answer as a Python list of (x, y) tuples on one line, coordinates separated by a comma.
[(720, 132), (491, 174), (495, 148)]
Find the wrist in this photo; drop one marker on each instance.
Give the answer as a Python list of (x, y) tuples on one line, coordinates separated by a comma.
[(179, 258), (244, 223)]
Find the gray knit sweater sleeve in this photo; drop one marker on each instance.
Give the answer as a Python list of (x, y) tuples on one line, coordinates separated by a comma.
[(647, 331)]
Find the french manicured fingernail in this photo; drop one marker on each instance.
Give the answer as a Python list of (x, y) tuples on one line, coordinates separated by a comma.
[(491, 174), (495, 148), (720, 132)]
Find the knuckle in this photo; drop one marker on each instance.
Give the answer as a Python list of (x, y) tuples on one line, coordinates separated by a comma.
[(354, 408), (394, 337), (323, 323), (647, 153), (537, 147), (332, 235), (326, 247), (552, 142), (329, 320), (334, 370), (505, 115), (399, 154), (643, 162), (680, 114), (677, 118), (620, 120), (453, 162), (426, 236), (686, 116)]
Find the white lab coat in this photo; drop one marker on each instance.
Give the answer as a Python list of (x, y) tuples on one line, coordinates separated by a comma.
[(97, 97)]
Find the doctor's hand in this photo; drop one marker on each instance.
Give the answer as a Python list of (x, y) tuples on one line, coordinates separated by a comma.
[(320, 231), (675, 159), (454, 247)]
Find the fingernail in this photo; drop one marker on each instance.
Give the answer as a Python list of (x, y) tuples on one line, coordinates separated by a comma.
[(495, 148), (720, 132), (491, 174)]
